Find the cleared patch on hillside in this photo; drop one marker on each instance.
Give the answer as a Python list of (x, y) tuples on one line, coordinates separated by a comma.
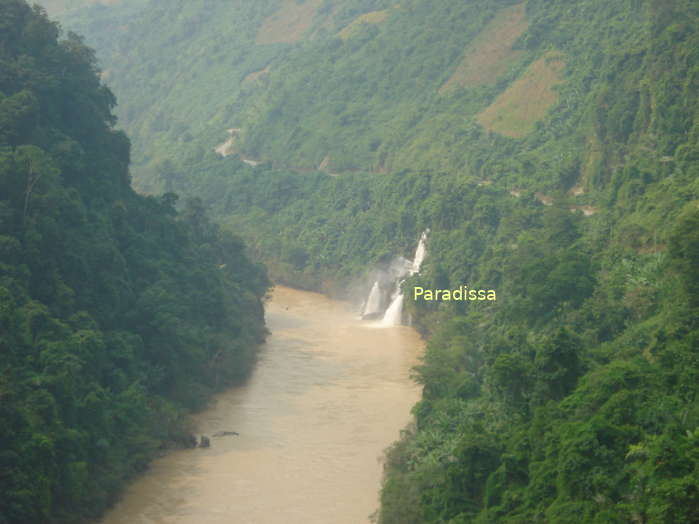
[(587, 211), (374, 17), (546, 200), (289, 23), (516, 111), (490, 54), (228, 147), (256, 76)]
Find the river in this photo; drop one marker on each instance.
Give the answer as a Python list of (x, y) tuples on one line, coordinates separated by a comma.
[(328, 395)]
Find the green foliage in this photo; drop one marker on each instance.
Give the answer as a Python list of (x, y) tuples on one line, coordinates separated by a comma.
[(117, 314), (684, 249), (372, 102), (530, 405), (573, 398)]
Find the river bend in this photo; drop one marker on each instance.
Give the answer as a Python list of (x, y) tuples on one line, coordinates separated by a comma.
[(329, 394)]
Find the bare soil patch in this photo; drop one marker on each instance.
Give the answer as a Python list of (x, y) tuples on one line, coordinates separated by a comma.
[(289, 23), (228, 147), (546, 200), (588, 211), (256, 75)]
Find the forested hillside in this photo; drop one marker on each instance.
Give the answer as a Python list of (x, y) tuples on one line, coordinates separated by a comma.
[(370, 85), (552, 147), (117, 313)]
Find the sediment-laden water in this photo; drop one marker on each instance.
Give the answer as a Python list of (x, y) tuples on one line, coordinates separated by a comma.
[(329, 394)]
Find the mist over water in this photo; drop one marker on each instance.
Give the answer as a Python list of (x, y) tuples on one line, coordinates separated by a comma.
[(373, 303), (328, 396), (394, 313)]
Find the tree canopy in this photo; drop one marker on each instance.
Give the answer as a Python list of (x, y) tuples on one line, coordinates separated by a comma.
[(117, 313)]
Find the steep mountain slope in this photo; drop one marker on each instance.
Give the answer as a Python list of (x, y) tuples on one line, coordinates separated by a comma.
[(553, 150), (374, 86), (183, 84), (117, 315)]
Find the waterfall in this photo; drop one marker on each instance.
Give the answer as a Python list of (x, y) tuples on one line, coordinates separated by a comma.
[(373, 303), (420, 253), (394, 313)]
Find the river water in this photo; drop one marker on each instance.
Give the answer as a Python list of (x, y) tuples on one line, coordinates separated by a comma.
[(329, 394)]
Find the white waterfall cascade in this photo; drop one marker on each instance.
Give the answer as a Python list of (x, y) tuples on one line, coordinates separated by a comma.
[(373, 303), (394, 313), (420, 254)]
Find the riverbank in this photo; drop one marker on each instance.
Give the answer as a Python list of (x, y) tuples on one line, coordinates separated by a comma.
[(329, 394)]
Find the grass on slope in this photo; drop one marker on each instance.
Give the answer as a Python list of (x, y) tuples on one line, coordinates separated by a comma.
[(491, 53), (289, 23), (516, 111)]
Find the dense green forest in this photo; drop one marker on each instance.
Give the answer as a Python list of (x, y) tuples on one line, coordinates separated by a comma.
[(552, 148), (118, 314)]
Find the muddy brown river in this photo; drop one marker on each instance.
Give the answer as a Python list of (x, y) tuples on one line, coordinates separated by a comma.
[(329, 394)]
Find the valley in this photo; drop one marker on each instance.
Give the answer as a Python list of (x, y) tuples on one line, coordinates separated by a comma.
[(355, 154)]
